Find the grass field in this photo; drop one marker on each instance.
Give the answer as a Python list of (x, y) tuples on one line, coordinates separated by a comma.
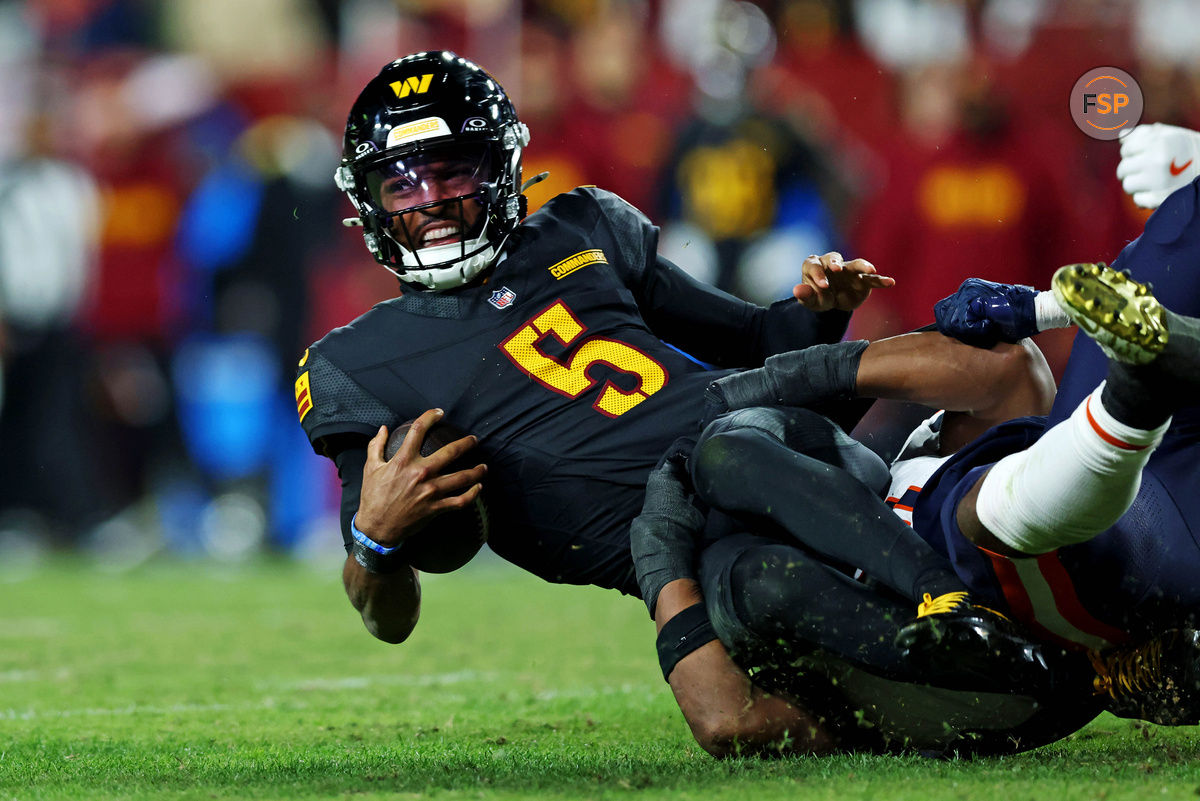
[(193, 681)]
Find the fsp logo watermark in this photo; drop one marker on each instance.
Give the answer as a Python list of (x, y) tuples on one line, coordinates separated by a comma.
[(417, 84), (1106, 102)]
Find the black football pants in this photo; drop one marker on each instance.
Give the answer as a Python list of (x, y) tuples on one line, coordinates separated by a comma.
[(771, 602), (792, 474)]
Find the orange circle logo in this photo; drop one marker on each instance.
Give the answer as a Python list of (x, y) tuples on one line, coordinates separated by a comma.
[(1106, 102)]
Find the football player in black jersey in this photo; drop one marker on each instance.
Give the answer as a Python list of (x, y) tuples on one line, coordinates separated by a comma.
[(542, 337)]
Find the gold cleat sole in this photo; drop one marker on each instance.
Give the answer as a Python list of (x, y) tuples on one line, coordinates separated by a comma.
[(1120, 314)]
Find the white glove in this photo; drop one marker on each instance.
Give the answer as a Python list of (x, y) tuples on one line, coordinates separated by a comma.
[(1156, 160)]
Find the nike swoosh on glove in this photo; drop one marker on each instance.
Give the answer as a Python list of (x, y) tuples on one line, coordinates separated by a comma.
[(1156, 160), (982, 313)]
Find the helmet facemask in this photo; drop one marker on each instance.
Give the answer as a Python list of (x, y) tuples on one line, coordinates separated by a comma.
[(434, 207)]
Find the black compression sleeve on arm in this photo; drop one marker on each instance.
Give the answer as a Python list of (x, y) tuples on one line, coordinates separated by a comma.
[(719, 328), (817, 374), (350, 463), (790, 326)]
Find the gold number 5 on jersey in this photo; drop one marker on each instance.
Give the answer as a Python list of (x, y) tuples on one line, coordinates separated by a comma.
[(571, 379)]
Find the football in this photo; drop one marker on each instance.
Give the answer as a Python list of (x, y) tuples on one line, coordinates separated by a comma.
[(454, 537)]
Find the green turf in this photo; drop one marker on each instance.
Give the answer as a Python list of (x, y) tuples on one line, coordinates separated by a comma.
[(191, 681)]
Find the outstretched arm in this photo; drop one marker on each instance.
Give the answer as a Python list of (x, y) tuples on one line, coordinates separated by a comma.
[(729, 332), (985, 386), (978, 388)]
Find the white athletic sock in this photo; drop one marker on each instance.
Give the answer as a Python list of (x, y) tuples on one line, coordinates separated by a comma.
[(1073, 483)]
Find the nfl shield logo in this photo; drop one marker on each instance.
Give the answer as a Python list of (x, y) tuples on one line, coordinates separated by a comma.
[(502, 298)]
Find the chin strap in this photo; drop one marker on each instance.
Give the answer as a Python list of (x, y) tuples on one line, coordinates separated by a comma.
[(537, 179)]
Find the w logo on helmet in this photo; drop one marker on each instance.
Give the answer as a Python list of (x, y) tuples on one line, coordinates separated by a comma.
[(418, 84)]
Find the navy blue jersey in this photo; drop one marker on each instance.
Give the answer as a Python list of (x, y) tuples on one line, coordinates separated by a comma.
[(557, 363), (1139, 576), (1133, 579)]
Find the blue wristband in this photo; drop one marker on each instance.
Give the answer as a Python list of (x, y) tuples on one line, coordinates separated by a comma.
[(366, 541)]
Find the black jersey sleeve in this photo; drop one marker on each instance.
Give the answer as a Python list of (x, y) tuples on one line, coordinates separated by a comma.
[(634, 236), (719, 328), (350, 462), (334, 409), (702, 320)]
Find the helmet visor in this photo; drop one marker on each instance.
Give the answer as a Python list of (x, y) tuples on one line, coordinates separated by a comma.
[(433, 197), (429, 176)]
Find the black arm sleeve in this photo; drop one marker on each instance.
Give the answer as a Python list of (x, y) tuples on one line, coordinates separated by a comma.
[(350, 463), (719, 328)]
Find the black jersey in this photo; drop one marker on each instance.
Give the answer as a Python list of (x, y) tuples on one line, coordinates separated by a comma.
[(557, 364)]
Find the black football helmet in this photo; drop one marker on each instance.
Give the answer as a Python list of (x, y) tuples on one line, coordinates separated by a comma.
[(432, 162)]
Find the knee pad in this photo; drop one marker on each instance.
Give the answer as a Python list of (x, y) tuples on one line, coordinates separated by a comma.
[(761, 580)]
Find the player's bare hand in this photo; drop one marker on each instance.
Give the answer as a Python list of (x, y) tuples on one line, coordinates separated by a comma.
[(832, 283), (401, 495)]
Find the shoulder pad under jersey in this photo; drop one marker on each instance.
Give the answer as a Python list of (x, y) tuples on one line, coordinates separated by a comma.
[(632, 233), (330, 402)]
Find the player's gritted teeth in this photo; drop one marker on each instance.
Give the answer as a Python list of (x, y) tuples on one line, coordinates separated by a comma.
[(440, 234)]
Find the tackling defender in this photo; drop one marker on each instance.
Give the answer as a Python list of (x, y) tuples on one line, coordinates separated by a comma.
[(806, 629), (1112, 573), (1119, 560), (724, 709), (796, 618)]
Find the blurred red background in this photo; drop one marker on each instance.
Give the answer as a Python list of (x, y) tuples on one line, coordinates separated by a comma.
[(170, 235)]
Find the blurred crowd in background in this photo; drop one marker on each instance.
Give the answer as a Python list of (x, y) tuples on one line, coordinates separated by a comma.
[(170, 235)]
